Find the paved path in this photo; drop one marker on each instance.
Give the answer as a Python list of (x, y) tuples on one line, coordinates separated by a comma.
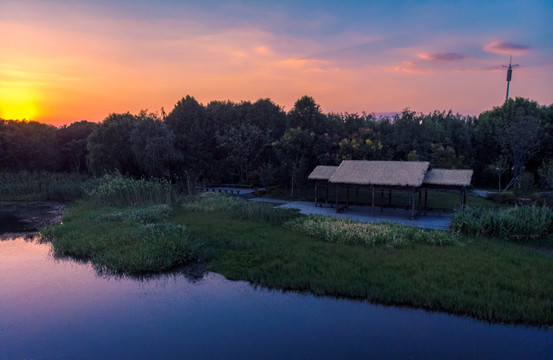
[(432, 220)]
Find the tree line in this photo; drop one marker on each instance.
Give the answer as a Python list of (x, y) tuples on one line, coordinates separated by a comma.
[(260, 143)]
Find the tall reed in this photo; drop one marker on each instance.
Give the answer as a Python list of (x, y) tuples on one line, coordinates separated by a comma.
[(239, 208), (40, 186), (515, 223), (119, 190)]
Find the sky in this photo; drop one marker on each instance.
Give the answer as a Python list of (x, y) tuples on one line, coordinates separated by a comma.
[(66, 61)]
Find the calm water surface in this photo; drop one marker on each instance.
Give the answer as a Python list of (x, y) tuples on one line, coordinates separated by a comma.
[(61, 309)]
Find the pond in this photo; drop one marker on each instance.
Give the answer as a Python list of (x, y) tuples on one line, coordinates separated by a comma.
[(62, 309)]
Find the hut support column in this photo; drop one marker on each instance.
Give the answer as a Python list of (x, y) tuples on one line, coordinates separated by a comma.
[(337, 188), (372, 201), (316, 186), (413, 205), (326, 198), (347, 197)]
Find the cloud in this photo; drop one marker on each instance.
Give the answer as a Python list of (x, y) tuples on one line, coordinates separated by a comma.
[(443, 57), (410, 67), (505, 47)]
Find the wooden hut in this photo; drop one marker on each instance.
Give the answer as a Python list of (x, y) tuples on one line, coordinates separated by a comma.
[(405, 176), (448, 180), (320, 175)]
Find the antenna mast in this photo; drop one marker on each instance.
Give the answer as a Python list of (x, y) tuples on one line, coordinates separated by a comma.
[(509, 74)]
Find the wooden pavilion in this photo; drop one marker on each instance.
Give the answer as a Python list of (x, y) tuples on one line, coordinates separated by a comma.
[(410, 177)]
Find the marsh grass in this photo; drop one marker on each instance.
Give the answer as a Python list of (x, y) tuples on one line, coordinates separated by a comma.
[(118, 190), (486, 279), (41, 186), (239, 208), (345, 231), (514, 223), (123, 240)]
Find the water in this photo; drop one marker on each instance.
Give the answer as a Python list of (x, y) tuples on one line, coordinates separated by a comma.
[(62, 309)]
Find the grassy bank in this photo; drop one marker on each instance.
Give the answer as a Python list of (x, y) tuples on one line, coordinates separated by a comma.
[(485, 278), (123, 240)]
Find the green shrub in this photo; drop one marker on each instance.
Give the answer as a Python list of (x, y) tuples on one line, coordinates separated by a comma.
[(339, 230), (515, 223), (118, 190)]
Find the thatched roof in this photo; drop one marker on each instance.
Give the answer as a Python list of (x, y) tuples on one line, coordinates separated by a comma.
[(383, 173), (322, 172), (448, 177)]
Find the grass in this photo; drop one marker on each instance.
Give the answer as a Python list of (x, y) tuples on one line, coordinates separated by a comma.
[(118, 190), (484, 278), (41, 186), (514, 223), (346, 231), (123, 240)]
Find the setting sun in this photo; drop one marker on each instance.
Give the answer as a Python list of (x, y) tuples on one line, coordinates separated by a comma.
[(18, 102)]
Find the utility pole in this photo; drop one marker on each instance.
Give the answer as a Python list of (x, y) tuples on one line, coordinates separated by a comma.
[(509, 74)]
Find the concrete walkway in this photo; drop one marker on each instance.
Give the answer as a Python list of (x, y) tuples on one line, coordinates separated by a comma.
[(432, 220)]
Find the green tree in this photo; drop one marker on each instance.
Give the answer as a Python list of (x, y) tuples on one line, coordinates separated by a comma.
[(110, 148), (153, 146), (72, 143), (244, 146), (294, 149)]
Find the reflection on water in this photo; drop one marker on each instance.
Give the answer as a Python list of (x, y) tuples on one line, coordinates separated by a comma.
[(61, 309), (10, 223)]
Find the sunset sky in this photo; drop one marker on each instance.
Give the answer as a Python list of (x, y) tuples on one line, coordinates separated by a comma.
[(65, 61)]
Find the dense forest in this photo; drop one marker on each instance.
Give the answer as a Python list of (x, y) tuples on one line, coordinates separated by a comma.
[(261, 144)]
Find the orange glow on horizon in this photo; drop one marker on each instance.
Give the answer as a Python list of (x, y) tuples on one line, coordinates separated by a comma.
[(18, 102)]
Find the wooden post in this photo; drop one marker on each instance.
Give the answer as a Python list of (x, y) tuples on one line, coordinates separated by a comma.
[(316, 186), (413, 205), (425, 199), (372, 201), (326, 198), (347, 196), (337, 198)]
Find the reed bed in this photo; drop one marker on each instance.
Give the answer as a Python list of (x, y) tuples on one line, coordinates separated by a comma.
[(239, 208), (42, 186), (345, 231), (118, 190), (516, 223)]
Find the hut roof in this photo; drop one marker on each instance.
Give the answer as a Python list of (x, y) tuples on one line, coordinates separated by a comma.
[(448, 177), (385, 173), (322, 172)]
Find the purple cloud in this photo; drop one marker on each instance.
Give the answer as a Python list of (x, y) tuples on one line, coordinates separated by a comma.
[(505, 47), (444, 57)]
